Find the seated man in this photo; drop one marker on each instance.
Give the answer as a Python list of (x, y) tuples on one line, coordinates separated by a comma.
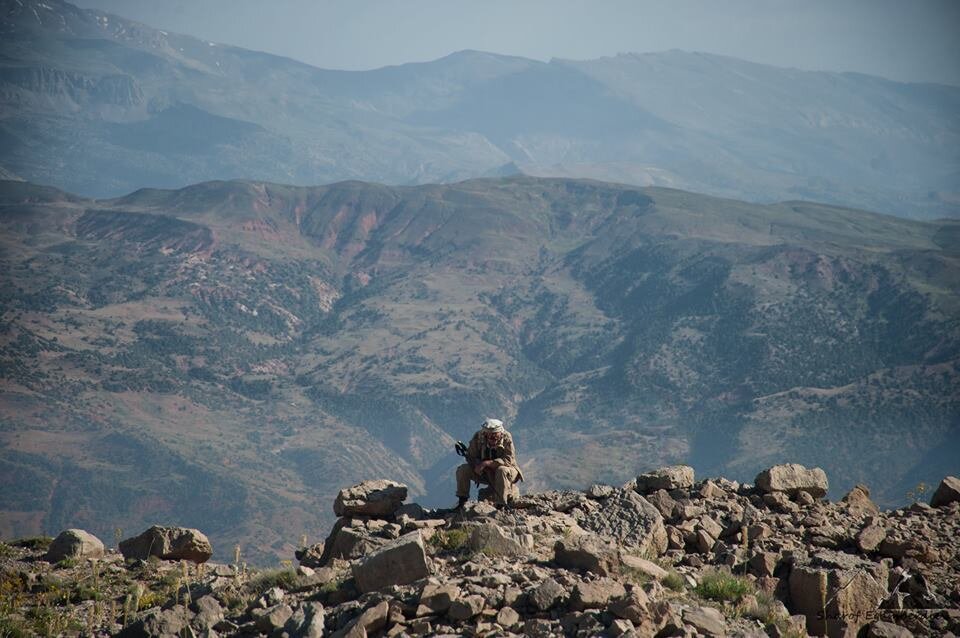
[(490, 460)]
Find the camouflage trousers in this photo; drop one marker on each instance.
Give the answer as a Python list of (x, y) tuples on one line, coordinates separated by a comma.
[(502, 479)]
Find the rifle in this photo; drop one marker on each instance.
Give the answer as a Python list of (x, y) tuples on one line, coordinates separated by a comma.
[(461, 449)]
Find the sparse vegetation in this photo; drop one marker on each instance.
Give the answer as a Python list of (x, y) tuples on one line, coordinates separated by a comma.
[(285, 578), (674, 581), (722, 586), (449, 540)]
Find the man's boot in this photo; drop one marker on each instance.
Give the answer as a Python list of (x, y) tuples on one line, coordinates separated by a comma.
[(461, 501)]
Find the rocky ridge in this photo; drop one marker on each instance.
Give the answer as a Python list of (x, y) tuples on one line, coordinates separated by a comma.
[(663, 555)]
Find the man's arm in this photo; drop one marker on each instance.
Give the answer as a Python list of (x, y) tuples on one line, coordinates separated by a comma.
[(509, 457)]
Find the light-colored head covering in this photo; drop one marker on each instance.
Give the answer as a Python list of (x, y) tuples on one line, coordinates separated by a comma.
[(493, 425)]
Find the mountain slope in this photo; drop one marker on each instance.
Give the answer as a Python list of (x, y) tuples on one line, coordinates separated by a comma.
[(100, 105), (231, 353)]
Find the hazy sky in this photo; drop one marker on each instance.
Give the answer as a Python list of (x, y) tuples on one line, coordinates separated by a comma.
[(915, 40)]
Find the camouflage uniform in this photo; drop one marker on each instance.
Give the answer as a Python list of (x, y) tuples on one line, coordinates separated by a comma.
[(502, 477)]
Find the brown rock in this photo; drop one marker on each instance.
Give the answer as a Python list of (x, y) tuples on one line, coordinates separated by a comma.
[(369, 622), (706, 620), (858, 501), (379, 498), (644, 566), (947, 492), (664, 503), (274, 618), (792, 478), (587, 552), (74, 543), (595, 594), (870, 538), (168, 543), (763, 563), (881, 629), (400, 562), (852, 588), (703, 542), (632, 606)]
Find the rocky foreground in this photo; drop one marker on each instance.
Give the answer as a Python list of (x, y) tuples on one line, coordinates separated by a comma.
[(664, 555)]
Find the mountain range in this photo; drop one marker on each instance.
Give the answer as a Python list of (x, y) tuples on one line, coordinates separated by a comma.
[(99, 105), (230, 354)]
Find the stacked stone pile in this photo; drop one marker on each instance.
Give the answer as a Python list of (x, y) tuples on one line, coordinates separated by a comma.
[(664, 555)]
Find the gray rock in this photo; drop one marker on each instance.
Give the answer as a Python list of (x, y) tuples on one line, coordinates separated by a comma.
[(664, 503), (587, 552), (348, 541), (400, 562), (306, 622), (507, 617), (274, 618), (666, 478), (209, 612), (466, 608), (792, 478), (706, 620), (629, 519), (168, 543), (492, 540), (166, 623), (74, 543), (947, 492), (436, 598), (379, 498), (599, 492), (546, 594)]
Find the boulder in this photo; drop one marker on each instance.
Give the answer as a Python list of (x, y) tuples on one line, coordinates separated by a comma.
[(881, 629), (436, 598), (209, 612), (274, 618), (793, 478), (159, 622), (674, 477), (507, 617), (372, 620), (467, 607), (629, 519), (595, 594), (644, 566), (399, 562), (546, 594), (492, 540), (306, 622), (378, 499), (632, 606), (348, 540), (947, 492), (74, 543), (852, 589), (706, 620), (587, 552), (858, 501), (168, 543), (870, 537)]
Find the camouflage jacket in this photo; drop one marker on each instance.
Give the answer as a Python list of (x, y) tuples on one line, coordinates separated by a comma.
[(503, 454)]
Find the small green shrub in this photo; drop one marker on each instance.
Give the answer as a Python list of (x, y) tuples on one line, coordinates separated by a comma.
[(5, 551), (33, 542), (283, 578), (449, 540), (68, 563), (674, 581), (723, 586)]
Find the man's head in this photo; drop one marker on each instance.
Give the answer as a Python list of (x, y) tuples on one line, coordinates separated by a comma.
[(492, 431)]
